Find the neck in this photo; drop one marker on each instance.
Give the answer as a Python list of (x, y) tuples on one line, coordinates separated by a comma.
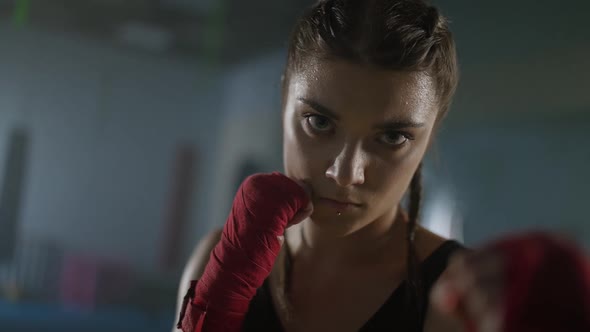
[(361, 246)]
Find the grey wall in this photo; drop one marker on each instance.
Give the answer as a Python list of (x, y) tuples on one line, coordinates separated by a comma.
[(532, 173), (104, 124), (251, 128), (516, 143)]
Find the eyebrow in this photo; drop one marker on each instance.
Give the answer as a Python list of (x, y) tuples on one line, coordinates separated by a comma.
[(319, 108), (388, 125), (396, 125)]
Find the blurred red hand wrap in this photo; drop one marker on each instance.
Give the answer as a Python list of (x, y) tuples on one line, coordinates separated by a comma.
[(547, 284), (243, 259)]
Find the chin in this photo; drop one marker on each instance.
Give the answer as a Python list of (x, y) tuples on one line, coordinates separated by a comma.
[(345, 224)]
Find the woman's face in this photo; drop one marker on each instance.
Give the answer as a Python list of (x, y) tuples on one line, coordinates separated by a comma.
[(356, 135)]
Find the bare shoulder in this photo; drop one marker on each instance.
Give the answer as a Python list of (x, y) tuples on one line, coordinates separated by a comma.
[(427, 242)]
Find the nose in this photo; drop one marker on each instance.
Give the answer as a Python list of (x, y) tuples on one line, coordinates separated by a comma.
[(348, 168)]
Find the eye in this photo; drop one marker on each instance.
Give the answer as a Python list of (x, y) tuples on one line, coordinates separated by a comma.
[(319, 123), (394, 139)]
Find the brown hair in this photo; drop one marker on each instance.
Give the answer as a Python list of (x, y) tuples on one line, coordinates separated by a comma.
[(401, 35)]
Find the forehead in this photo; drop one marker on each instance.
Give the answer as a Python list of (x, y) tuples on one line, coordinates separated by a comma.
[(349, 88)]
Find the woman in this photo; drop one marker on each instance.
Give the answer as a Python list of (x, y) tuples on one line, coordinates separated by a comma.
[(365, 87)]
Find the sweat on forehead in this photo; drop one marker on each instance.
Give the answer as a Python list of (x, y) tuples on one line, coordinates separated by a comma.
[(344, 85)]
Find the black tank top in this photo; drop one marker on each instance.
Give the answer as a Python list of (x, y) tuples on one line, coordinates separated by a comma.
[(394, 315)]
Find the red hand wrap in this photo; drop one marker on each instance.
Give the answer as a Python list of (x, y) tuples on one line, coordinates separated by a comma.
[(243, 259), (547, 284)]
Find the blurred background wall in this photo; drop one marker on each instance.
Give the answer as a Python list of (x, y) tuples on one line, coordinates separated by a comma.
[(126, 126)]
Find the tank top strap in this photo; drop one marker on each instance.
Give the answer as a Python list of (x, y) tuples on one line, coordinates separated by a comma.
[(435, 264)]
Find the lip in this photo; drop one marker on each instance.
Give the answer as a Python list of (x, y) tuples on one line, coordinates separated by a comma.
[(337, 204)]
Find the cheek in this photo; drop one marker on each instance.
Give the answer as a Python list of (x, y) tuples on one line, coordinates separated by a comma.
[(391, 178), (391, 184)]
